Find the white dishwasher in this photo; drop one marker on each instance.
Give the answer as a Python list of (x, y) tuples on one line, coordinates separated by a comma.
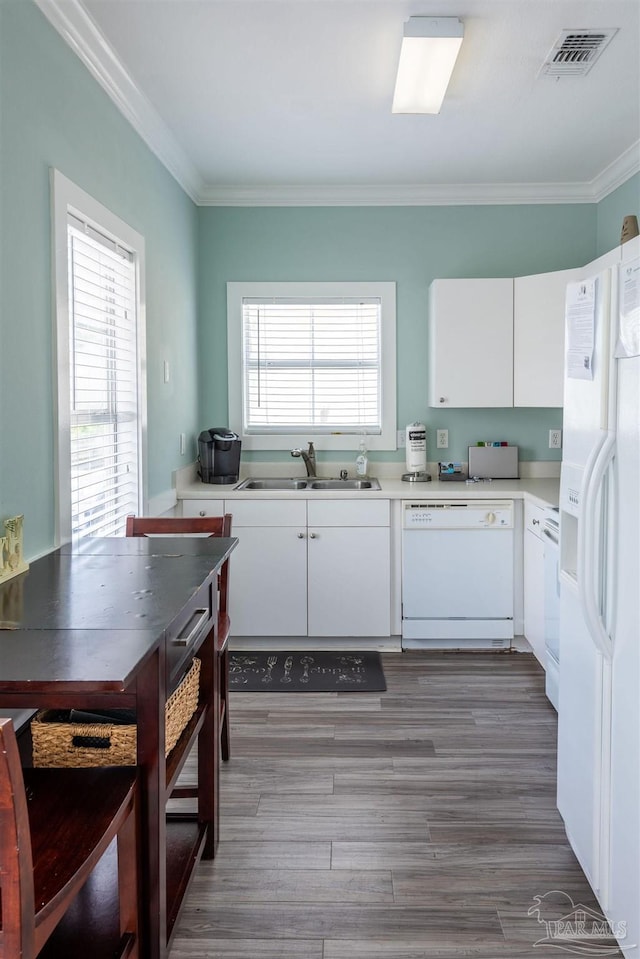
[(457, 574)]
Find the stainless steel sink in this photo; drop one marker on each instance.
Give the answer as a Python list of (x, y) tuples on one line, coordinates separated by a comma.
[(286, 483), (273, 484), (344, 484)]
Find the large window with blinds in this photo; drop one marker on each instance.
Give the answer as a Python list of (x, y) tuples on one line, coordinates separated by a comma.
[(100, 353), (314, 361)]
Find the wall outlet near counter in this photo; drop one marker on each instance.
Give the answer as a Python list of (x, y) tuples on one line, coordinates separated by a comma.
[(442, 439), (555, 439), (401, 440)]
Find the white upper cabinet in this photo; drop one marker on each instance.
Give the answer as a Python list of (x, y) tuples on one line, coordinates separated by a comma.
[(498, 342), (471, 343), (538, 338)]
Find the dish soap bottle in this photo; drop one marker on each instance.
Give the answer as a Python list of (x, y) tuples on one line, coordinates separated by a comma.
[(362, 461)]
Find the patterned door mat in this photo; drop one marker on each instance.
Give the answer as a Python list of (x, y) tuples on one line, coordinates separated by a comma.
[(306, 672)]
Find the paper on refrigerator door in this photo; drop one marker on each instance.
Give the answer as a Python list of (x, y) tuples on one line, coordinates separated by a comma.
[(581, 320), (629, 314)]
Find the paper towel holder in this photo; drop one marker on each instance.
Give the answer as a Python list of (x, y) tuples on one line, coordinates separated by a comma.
[(416, 445)]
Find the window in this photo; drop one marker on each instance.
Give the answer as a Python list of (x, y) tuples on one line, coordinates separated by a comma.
[(313, 360), (100, 350)]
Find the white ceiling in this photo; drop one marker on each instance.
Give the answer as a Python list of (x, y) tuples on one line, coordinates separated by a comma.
[(290, 100)]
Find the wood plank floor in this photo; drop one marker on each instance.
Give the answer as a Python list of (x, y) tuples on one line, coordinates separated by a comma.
[(413, 824)]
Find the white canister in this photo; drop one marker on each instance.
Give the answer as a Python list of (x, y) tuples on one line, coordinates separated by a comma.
[(416, 443)]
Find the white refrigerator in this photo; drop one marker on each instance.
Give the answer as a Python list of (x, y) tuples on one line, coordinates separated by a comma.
[(599, 694)]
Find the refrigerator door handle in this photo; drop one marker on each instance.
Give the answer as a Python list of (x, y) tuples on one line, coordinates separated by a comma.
[(589, 560)]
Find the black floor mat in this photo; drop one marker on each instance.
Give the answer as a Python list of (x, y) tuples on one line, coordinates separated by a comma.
[(306, 672)]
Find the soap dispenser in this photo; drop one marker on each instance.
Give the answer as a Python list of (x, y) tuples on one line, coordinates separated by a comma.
[(362, 460)]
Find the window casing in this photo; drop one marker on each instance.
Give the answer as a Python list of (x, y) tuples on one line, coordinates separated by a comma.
[(312, 361), (100, 366)]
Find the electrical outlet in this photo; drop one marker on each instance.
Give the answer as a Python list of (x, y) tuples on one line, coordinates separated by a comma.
[(401, 439), (555, 439), (442, 439)]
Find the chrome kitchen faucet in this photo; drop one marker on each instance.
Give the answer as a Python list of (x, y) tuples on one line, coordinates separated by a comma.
[(309, 458)]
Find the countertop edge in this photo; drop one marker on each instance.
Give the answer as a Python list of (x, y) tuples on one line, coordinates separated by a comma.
[(542, 491)]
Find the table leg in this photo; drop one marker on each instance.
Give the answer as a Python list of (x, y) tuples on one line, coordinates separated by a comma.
[(209, 747), (151, 696)]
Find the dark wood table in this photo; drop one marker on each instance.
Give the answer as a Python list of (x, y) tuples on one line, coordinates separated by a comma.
[(115, 623)]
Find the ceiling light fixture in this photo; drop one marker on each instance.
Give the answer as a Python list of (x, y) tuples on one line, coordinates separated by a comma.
[(429, 51)]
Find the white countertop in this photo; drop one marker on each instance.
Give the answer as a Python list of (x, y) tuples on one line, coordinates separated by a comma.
[(543, 491)]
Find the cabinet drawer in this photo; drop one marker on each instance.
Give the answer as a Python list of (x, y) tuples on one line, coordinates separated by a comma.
[(534, 519), (186, 633), (348, 512), (272, 512), (203, 507)]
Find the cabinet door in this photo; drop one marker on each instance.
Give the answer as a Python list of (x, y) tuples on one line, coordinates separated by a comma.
[(534, 581), (349, 581), (538, 338), (268, 581), (471, 343)]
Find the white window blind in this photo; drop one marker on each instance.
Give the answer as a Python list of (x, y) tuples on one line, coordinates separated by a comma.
[(312, 364), (104, 420)]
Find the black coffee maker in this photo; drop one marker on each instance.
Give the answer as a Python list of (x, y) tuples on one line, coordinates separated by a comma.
[(219, 455)]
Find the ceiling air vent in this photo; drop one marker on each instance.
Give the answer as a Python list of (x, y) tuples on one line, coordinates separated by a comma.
[(575, 52)]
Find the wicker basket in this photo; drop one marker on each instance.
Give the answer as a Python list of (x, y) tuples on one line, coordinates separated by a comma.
[(60, 743)]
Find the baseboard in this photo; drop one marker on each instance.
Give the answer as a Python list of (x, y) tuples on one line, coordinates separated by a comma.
[(380, 644)]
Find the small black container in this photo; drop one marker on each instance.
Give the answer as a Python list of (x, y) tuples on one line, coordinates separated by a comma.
[(219, 455)]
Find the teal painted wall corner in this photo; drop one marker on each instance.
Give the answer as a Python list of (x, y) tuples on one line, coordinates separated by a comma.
[(625, 201)]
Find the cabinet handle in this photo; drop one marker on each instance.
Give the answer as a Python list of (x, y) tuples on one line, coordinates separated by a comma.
[(535, 522), (202, 616), (313, 535), (300, 535), (203, 512), (443, 399)]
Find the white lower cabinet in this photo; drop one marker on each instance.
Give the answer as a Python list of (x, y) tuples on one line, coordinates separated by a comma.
[(349, 568), (534, 580), (299, 573), (268, 595), (268, 572)]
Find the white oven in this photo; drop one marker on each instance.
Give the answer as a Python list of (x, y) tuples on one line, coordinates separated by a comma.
[(457, 574)]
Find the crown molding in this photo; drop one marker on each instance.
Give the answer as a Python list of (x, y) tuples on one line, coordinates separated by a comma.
[(73, 23), (446, 194), (76, 27), (617, 173)]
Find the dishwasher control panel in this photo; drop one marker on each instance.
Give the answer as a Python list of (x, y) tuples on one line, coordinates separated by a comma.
[(478, 514)]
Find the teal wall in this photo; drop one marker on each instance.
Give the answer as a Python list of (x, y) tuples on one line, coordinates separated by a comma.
[(625, 201), (411, 246), (54, 115)]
